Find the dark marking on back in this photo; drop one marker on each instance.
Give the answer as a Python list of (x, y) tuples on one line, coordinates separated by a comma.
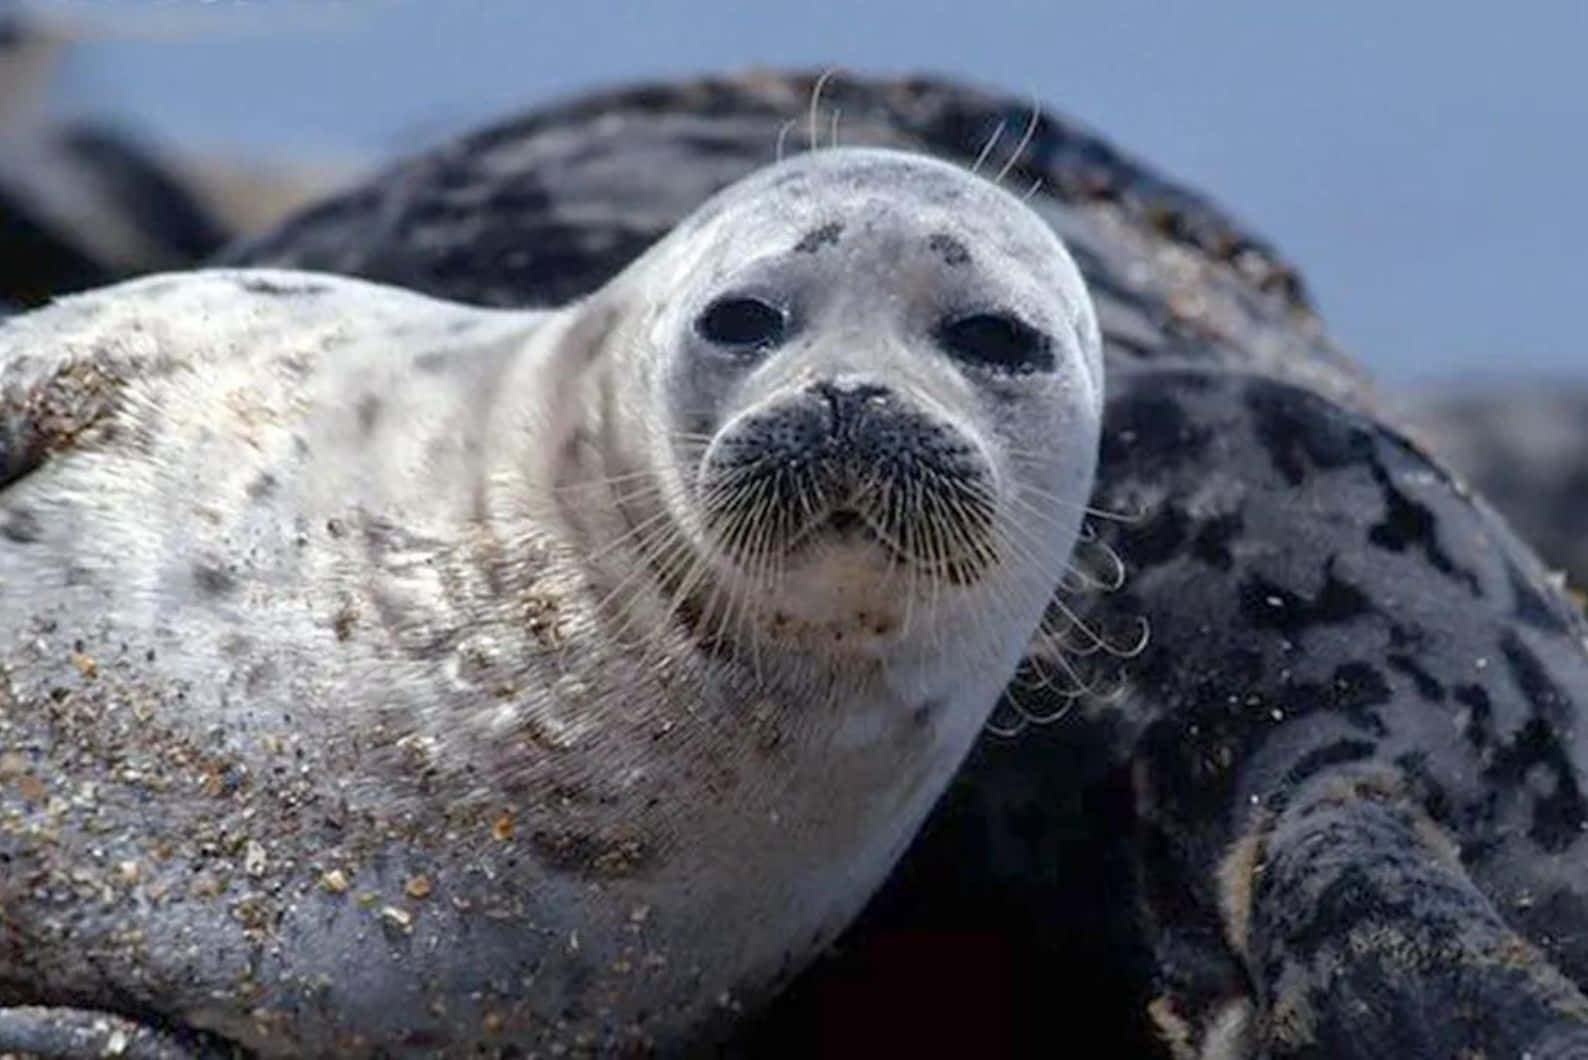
[(20, 526), (275, 289), (1558, 812), (1320, 758), (1427, 687), (1268, 605), (263, 485), (260, 676), (369, 407), (434, 362), (343, 621), (1531, 606), (212, 579), (817, 238), (1160, 538), (298, 365), (1479, 728), (951, 250), (1212, 542), (1296, 428), (1407, 523), (1542, 694), (1359, 684), (1157, 428)]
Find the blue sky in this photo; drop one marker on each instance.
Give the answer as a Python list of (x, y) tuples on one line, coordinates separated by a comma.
[(1423, 161)]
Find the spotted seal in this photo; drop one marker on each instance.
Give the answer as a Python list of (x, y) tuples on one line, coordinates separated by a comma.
[(605, 658), (1336, 807)]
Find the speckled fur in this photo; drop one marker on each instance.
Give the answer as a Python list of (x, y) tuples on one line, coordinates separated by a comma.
[(1336, 812), (340, 717)]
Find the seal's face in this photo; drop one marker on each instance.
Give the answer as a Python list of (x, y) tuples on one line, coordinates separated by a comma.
[(882, 382)]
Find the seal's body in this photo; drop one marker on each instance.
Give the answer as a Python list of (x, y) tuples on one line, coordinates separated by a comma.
[(1338, 810), (604, 646)]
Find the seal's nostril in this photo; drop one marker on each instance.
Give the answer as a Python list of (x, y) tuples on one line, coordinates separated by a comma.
[(846, 404)]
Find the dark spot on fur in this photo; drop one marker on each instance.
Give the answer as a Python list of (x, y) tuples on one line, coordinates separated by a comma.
[(817, 238), (1152, 429), (1359, 684), (1427, 687), (1268, 605), (951, 250), (1531, 607), (260, 676), (1157, 540), (213, 580), (297, 365), (1212, 542), (1297, 428), (369, 407), (1558, 814), (1406, 524), (343, 621), (923, 714), (1529, 674), (434, 362), (1320, 758), (235, 645), (1479, 728), (262, 486), (20, 526), (276, 289)]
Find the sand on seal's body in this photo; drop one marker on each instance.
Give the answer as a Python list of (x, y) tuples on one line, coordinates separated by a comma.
[(622, 646)]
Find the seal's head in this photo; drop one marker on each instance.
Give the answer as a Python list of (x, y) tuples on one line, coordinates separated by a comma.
[(879, 380)]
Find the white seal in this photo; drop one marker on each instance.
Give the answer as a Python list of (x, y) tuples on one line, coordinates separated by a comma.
[(631, 642)]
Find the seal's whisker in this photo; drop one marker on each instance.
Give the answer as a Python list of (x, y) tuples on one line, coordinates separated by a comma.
[(635, 530), (1025, 142), (653, 554), (1116, 575), (987, 148), (1090, 510), (1038, 492), (782, 137), (816, 103), (1092, 640)]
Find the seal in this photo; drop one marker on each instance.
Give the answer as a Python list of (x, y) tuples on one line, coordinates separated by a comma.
[(1338, 809), (598, 659)]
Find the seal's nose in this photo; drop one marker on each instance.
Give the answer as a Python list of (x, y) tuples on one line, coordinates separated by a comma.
[(847, 406)]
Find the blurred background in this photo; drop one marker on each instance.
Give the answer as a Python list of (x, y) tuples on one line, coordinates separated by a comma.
[(1423, 163)]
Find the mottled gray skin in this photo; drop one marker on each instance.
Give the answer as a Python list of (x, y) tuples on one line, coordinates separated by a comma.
[(1336, 811), (350, 705), (1525, 448)]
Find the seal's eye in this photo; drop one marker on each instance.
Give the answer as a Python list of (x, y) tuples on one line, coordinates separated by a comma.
[(743, 322), (997, 340)]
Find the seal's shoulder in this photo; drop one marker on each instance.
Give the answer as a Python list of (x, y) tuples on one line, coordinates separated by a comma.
[(67, 368)]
